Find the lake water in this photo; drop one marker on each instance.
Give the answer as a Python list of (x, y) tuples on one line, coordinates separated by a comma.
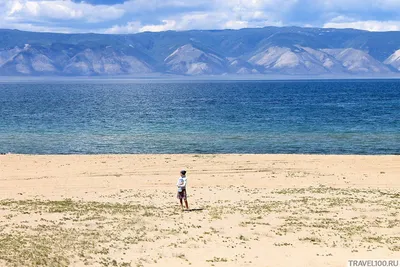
[(318, 117)]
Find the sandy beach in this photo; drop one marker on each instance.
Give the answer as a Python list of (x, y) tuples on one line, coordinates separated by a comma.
[(245, 210)]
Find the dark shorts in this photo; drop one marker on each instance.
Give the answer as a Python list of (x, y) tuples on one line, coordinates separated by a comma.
[(182, 195)]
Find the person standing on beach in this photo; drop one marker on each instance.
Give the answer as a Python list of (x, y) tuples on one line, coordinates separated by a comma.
[(182, 184)]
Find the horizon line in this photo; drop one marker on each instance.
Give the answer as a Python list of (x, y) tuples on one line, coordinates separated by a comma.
[(197, 30)]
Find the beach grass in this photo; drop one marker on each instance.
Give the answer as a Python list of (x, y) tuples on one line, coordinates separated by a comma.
[(38, 232)]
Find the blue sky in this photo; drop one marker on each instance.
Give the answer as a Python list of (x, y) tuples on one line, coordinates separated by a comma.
[(132, 16)]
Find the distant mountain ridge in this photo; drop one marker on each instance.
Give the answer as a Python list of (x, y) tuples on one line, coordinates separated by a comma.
[(269, 50)]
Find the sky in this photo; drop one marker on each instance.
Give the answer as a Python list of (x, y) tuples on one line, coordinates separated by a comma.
[(133, 16)]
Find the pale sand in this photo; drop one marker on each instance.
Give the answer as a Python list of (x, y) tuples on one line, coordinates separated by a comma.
[(252, 210)]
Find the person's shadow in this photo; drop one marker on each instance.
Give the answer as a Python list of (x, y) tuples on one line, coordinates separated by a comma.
[(195, 209)]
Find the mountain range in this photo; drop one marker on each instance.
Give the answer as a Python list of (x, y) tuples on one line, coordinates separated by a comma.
[(262, 51)]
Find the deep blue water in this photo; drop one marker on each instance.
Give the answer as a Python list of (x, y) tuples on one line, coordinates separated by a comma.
[(322, 117)]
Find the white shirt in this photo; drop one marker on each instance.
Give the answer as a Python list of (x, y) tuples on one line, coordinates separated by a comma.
[(182, 182)]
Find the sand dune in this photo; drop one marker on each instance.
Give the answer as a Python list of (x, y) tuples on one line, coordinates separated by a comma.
[(248, 210)]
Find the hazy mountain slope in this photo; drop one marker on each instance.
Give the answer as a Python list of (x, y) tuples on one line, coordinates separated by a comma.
[(356, 61), (276, 50), (239, 66), (190, 60), (33, 61), (104, 62), (328, 62), (394, 60), (29, 61), (7, 54), (297, 60)]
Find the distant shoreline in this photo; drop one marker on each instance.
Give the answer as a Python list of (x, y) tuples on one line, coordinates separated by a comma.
[(177, 78)]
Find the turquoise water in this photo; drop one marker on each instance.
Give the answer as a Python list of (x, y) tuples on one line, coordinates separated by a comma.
[(318, 117)]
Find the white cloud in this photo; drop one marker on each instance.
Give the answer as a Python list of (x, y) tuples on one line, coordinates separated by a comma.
[(388, 4), (56, 15), (130, 27), (370, 25), (136, 26), (137, 6), (165, 26), (35, 28), (340, 19), (357, 4), (362, 9), (200, 21), (22, 10)]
